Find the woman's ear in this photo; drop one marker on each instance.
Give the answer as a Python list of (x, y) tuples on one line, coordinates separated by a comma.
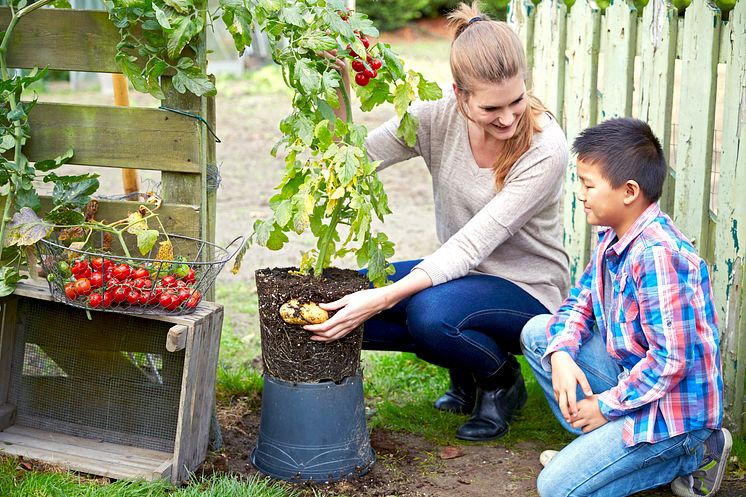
[(455, 89), (632, 192)]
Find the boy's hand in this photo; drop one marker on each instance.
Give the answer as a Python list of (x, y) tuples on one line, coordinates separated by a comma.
[(566, 376), (589, 415)]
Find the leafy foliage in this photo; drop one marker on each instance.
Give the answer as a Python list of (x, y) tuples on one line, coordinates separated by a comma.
[(20, 226)]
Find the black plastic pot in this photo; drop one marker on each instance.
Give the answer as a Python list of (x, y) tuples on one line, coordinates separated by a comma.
[(313, 431)]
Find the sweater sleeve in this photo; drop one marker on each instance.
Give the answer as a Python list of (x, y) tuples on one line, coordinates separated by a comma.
[(538, 176)]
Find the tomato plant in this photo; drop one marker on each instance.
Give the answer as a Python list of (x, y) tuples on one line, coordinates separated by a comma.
[(20, 225)]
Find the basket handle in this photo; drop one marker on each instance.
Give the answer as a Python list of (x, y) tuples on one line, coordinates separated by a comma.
[(238, 247)]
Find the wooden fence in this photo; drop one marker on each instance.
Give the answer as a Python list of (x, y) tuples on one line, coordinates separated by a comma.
[(685, 74), (178, 146)]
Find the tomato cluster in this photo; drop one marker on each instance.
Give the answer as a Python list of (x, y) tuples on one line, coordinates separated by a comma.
[(102, 283), (365, 66)]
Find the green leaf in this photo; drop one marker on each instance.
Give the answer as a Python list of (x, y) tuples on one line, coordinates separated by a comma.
[(9, 278), (360, 22), (28, 198), (318, 41), (303, 128), (309, 78), (392, 61), (184, 30), (358, 134), (26, 228), (48, 165), (65, 217), (194, 81), (346, 164), (146, 240), (180, 6), (283, 213), (337, 25), (408, 129), (428, 90), (76, 194), (7, 142), (161, 17), (16, 114), (323, 134), (291, 14), (403, 96), (325, 110)]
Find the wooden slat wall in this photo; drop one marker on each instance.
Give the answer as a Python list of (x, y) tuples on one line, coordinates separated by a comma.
[(63, 39), (124, 137), (599, 86)]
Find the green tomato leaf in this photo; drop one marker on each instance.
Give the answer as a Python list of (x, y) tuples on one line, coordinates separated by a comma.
[(6, 143), (194, 81), (392, 61), (65, 217), (28, 198), (9, 278), (161, 17), (403, 96), (323, 134), (48, 165), (180, 6), (360, 22), (303, 128), (291, 14), (408, 129), (428, 90), (146, 240), (308, 77), (346, 165), (283, 213), (318, 42), (337, 25), (75, 194)]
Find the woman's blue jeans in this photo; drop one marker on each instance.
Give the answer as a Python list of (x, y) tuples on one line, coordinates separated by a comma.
[(470, 324), (598, 463)]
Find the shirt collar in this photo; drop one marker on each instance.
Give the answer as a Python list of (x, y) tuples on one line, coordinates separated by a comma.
[(642, 222)]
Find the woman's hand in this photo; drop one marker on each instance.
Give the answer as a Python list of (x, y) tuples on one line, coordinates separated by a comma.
[(353, 310), (341, 66), (566, 376)]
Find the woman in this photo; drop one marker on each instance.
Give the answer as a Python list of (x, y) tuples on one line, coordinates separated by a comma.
[(497, 159)]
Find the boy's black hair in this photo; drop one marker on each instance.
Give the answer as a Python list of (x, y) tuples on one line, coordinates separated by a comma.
[(625, 149)]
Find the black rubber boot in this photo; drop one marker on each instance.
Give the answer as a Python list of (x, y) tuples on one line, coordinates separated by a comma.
[(498, 397), (461, 395)]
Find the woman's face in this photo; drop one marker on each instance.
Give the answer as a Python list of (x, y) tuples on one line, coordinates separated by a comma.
[(497, 107)]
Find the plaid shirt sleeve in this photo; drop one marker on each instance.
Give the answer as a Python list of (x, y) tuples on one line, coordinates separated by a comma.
[(664, 289), (571, 325)]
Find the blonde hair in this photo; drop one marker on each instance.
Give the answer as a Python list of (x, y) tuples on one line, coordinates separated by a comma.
[(487, 51)]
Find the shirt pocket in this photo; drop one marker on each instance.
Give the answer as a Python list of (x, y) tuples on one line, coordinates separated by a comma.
[(628, 310)]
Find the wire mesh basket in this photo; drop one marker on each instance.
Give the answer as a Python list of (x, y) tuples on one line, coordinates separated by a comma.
[(148, 285)]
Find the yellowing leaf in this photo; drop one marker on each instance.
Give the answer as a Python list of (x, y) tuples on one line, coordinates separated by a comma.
[(136, 223), (165, 251)]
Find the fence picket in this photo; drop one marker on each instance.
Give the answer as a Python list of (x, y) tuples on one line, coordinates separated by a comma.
[(549, 36), (580, 111), (618, 44), (730, 233), (696, 121), (658, 53)]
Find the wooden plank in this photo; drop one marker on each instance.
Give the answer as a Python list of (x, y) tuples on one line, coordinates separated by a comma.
[(211, 185), (122, 137), (521, 17), (730, 235), (549, 47), (183, 444), (176, 338), (73, 40), (583, 38), (658, 53), (696, 121), (7, 345), (618, 44), (105, 459)]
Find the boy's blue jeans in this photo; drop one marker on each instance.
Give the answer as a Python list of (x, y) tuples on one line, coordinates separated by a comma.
[(470, 323), (598, 463)]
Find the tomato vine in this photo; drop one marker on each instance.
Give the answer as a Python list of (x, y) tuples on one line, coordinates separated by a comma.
[(329, 181)]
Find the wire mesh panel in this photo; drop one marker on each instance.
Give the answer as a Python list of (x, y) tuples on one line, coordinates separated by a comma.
[(109, 378)]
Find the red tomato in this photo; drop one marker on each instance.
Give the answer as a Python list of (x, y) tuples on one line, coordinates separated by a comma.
[(168, 280), (133, 296), (361, 79), (189, 278), (97, 263), (95, 300), (183, 294), (120, 294), (96, 279), (122, 272), (70, 291), (357, 65), (366, 41), (352, 52), (370, 73), (165, 300), (193, 300), (79, 267), (376, 64), (108, 298), (83, 286), (140, 273)]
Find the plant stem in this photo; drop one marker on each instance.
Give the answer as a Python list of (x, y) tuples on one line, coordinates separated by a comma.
[(327, 239), (18, 127)]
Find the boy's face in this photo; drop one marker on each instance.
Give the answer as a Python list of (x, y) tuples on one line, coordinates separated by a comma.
[(603, 205)]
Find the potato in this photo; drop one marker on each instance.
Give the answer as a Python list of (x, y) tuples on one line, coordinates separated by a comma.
[(293, 312)]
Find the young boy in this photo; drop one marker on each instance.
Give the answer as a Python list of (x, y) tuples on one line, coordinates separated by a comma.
[(631, 360)]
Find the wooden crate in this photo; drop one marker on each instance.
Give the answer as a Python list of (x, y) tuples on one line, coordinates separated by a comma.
[(114, 395)]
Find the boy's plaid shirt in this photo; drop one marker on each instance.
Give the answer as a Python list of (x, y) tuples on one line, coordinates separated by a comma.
[(662, 330)]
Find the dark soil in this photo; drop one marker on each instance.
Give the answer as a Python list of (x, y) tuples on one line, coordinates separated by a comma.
[(409, 466), (287, 352)]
